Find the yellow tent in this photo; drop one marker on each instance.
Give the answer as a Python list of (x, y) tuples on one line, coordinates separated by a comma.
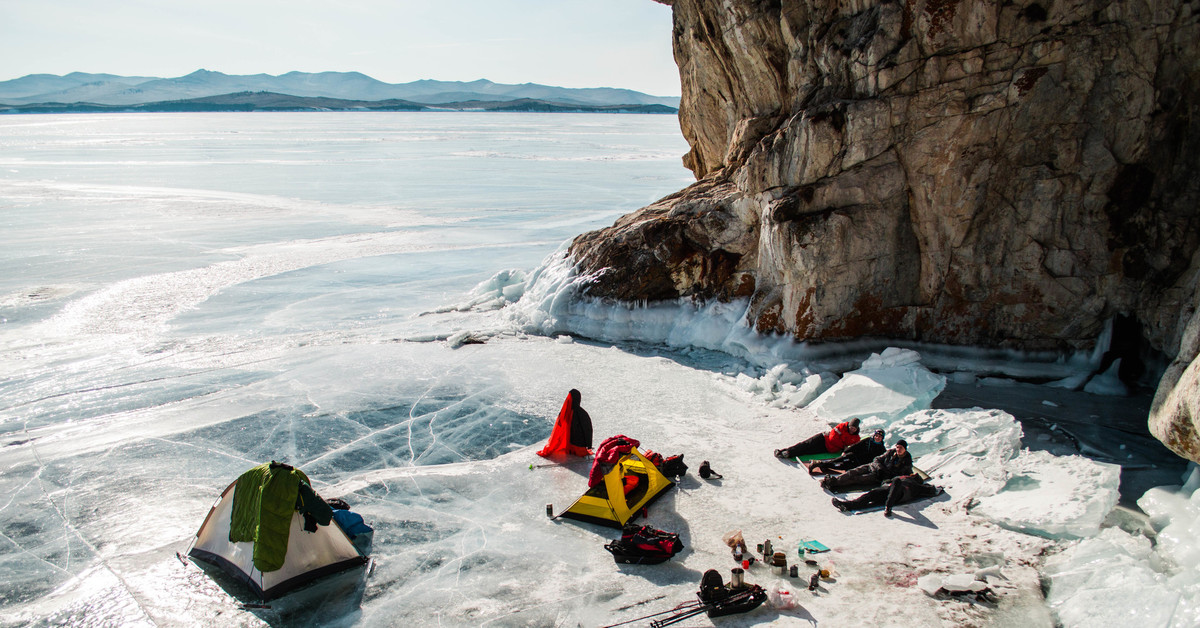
[(608, 504)]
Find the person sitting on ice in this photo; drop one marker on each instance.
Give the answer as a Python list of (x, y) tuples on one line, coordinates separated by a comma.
[(858, 454), (895, 462), (572, 433), (901, 490), (831, 442)]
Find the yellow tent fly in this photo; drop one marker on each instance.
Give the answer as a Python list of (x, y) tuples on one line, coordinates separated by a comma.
[(608, 504)]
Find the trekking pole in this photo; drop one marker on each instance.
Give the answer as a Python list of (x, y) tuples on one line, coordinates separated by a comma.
[(687, 605), (703, 608), (680, 617), (568, 463)]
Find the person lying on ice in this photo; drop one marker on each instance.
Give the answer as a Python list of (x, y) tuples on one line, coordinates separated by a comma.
[(831, 442), (902, 490), (895, 462), (858, 454)]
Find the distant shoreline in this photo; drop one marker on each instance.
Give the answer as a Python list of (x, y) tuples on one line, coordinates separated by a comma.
[(275, 102), (205, 91)]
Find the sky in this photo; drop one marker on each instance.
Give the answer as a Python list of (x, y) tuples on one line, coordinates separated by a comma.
[(567, 43)]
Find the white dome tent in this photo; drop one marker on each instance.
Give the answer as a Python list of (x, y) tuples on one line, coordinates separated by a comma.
[(309, 555)]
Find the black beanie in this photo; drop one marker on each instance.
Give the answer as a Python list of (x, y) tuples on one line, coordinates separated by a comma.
[(902, 442)]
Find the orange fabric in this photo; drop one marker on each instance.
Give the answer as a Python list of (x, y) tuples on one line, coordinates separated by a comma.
[(560, 437)]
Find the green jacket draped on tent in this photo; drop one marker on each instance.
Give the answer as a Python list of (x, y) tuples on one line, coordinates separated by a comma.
[(263, 504)]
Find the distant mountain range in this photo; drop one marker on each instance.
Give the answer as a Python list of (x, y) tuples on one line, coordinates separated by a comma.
[(300, 91)]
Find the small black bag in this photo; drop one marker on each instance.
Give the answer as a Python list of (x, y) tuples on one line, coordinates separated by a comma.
[(673, 467)]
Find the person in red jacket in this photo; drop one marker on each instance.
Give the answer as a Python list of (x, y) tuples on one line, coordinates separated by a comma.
[(831, 442)]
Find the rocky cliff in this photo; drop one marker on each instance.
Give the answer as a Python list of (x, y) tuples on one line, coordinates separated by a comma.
[(991, 173)]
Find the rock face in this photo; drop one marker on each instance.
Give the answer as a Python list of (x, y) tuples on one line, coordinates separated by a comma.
[(1003, 174)]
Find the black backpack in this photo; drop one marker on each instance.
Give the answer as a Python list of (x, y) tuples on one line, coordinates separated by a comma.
[(673, 467), (712, 588)]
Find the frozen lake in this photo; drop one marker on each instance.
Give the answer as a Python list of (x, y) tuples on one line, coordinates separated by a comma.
[(183, 297)]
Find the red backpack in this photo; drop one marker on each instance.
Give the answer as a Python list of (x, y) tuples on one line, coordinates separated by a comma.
[(643, 545)]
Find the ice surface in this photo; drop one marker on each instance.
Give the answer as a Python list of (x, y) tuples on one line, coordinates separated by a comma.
[(307, 290), (965, 450), (1055, 496), (974, 453), (1108, 581), (887, 387), (781, 387), (1118, 576)]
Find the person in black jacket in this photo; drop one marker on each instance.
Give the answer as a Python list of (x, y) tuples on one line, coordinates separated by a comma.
[(581, 422), (895, 462), (858, 454), (902, 490)]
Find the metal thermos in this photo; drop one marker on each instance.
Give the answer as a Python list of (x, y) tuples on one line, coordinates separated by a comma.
[(738, 579), (766, 550)]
